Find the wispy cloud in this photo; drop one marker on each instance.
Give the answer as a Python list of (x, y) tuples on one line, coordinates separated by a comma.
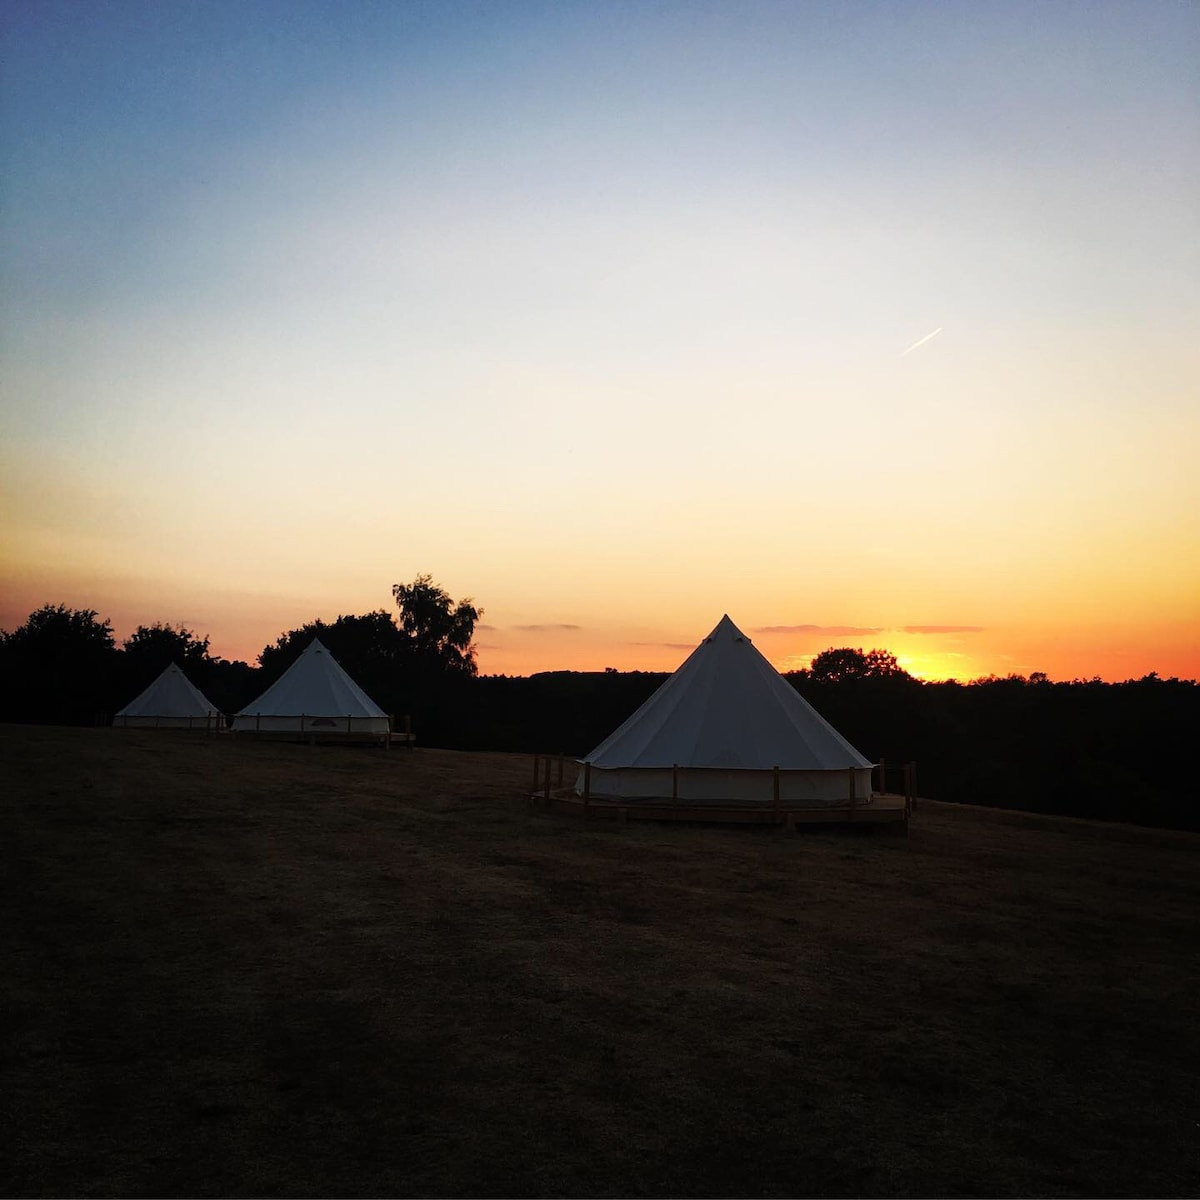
[(563, 628), (825, 630), (941, 629), (486, 628), (668, 645)]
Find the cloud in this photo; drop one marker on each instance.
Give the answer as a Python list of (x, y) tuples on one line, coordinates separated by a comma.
[(486, 628), (825, 630), (547, 628), (941, 629), (668, 645)]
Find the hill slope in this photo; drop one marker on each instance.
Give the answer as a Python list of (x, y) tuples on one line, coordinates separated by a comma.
[(274, 969)]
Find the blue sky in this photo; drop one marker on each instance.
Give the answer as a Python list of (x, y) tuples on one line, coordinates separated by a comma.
[(301, 299)]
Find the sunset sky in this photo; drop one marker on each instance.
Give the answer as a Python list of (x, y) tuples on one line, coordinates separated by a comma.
[(607, 315)]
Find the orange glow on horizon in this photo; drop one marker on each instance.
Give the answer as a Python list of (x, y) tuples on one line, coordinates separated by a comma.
[(1058, 660), (240, 624)]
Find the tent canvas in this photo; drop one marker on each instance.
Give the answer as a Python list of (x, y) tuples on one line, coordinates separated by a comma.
[(727, 727), (313, 696), (172, 701)]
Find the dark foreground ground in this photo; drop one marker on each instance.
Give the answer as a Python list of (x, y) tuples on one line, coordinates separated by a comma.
[(244, 969)]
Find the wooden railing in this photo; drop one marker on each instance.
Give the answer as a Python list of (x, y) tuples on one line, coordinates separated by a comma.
[(543, 768)]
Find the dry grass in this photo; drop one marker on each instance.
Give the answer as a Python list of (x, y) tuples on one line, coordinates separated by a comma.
[(270, 969)]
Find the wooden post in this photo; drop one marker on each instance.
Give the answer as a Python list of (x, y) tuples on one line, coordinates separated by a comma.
[(882, 777), (908, 787), (560, 769), (587, 782), (257, 722), (546, 782), (674, 781), (536, 771), (408, 730), (914, 785), (775, 789)]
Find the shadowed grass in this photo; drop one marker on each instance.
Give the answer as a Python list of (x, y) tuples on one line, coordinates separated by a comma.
[(269, 969)]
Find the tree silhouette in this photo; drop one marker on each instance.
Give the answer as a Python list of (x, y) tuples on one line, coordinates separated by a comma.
[(882, 664), (836, 665), (438, 631), (57, 667), (842, 664)]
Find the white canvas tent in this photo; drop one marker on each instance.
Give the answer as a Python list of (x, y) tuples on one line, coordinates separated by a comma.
[(314, 696), (727, 727), (172, 701)]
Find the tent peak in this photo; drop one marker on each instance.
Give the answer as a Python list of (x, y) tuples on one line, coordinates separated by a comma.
[(725, 628)]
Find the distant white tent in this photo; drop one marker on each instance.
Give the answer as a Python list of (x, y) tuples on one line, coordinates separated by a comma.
[(726, 726), (314, 696), (172, 701)]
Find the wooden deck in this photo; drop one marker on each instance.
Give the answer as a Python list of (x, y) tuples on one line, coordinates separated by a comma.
[(882, 808)]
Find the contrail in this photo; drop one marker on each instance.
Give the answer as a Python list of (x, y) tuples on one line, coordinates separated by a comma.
[(922, 341)]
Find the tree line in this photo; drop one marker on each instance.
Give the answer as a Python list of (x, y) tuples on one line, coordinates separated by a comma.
[(63, 666), (1084, 748)]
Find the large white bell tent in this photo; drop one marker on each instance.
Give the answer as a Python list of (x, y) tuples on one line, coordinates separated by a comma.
[(172, 701), (726, 727), (314, 697)]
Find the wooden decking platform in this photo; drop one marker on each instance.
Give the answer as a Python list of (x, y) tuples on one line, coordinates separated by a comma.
[(881, 808)]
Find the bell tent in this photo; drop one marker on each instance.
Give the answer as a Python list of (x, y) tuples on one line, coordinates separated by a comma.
[(726, 727), (172, 701), (314, 696)]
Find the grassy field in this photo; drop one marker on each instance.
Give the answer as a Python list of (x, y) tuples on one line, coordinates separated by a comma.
[(268, 969)]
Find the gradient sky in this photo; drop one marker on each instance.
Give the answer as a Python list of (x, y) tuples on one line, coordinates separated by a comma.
[(598, 313)]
